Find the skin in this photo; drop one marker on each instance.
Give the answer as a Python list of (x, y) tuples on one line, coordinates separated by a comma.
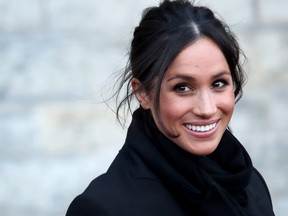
[(196, 98)]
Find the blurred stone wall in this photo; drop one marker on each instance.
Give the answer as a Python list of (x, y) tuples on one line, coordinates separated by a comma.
[(57, 57)]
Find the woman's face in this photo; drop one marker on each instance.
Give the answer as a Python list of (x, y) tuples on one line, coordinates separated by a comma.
[(196, 98)]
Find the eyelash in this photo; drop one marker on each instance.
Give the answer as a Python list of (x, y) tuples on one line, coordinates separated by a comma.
[(179, 87), (224, 84)]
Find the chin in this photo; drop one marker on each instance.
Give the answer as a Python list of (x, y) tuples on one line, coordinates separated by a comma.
[(203, 152), (201, 149)]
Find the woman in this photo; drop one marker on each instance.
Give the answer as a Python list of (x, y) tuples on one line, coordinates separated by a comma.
[(179, 157)]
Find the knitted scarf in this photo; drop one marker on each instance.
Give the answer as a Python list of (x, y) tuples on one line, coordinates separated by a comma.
[(203, 185)]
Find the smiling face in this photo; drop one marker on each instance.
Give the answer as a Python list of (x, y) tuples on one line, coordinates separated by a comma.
[(196, 98)]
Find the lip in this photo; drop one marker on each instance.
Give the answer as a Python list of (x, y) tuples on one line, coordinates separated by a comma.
[(206, 134)]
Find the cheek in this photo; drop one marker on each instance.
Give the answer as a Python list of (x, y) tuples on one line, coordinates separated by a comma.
[(228, 104), (172, 109)]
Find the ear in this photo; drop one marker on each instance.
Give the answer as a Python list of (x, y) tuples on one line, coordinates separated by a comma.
[(141, 95)]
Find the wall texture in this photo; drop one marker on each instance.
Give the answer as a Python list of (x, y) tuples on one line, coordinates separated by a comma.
[(57, 57)]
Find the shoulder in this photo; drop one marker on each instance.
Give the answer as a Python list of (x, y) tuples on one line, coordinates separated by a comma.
[(101, 197), (259, 195), (83, 205), (259, 185), (128, 188)]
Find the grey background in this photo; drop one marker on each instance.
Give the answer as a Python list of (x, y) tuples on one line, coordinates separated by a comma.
[(57, 57)]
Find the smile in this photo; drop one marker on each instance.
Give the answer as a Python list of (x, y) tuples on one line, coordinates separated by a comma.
[(203, 128)]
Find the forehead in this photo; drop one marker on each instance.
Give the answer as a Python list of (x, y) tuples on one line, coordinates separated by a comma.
[(203, 56)]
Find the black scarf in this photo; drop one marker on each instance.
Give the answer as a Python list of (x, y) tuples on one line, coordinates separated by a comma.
[(203, 185)]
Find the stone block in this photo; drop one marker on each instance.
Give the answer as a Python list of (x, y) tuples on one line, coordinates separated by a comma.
[(18, 131), (57, 129), (236, 13), (77, 128), (89, 16), (59, 68), (20, 16), (267, 51), (273, 12)]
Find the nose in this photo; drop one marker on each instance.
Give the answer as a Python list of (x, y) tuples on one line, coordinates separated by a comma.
[(204, 105)]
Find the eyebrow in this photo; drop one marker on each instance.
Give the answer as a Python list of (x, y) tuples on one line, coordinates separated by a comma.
[(191, 78)]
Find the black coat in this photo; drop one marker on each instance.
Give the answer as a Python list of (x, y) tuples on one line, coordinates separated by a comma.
[(131, 188)]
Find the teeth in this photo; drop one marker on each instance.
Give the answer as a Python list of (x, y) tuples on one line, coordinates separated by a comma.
[(203, 128)]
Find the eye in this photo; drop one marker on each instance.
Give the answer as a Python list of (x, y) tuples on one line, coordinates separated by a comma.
[(182, 88), (219, 84)]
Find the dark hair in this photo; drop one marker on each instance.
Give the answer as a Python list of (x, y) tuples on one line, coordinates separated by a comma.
[(162, 34)]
